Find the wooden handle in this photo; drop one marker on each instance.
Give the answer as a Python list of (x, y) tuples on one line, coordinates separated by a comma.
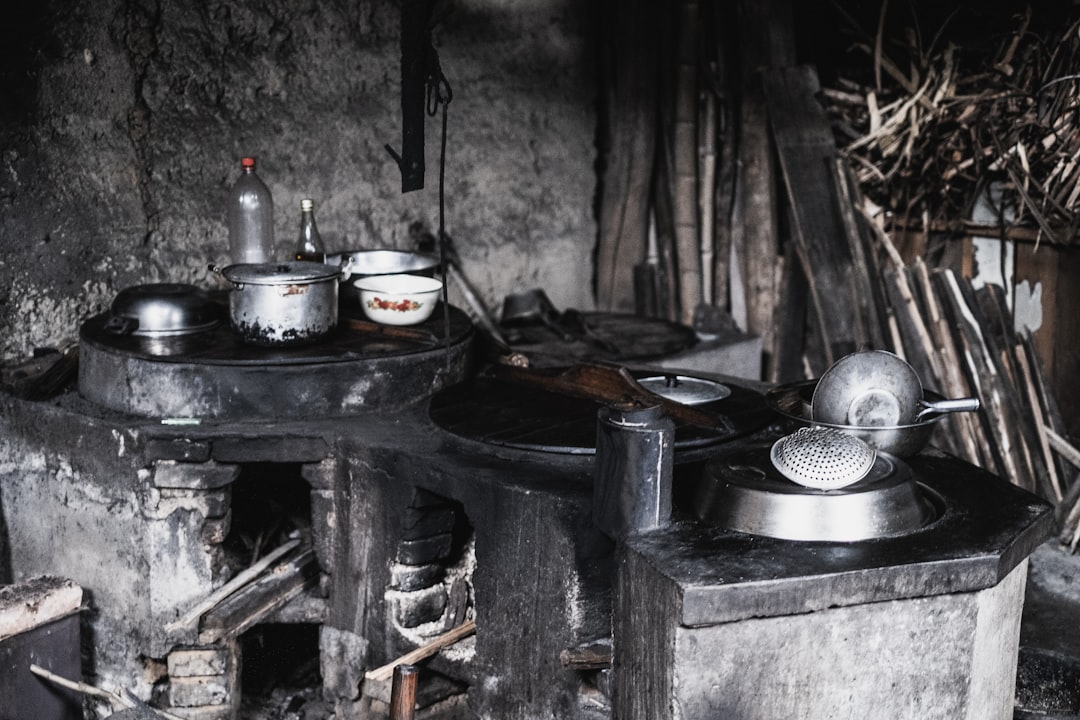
[(403, 692), (611, 385), (392, 331)]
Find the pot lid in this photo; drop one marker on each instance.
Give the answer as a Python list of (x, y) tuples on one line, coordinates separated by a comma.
[(684, 389), (291, 273), (162, 309)]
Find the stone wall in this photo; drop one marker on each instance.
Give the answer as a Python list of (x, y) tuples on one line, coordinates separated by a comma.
[(124, 122)]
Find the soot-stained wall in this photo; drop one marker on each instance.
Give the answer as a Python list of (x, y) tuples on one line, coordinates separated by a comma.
[(123, 123)]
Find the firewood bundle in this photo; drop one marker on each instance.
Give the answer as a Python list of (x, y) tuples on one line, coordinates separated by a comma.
[(963, 342), (932, 126)]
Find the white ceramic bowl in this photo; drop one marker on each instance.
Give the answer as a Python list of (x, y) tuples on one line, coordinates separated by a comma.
[(398, 299)]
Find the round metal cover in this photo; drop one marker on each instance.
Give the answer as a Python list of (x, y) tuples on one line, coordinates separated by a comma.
[(162, 309), (742, 491), (684, 389), (292, 273)]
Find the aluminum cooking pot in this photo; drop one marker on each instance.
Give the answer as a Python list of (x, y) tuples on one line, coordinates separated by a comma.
[(277, 304)]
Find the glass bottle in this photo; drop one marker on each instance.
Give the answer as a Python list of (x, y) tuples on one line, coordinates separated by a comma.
[(310, 246), (250, 217)]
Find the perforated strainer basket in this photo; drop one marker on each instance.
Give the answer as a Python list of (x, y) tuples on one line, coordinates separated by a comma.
[(822, 458)]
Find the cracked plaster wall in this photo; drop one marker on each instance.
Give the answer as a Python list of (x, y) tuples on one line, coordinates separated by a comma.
[(124, 122)]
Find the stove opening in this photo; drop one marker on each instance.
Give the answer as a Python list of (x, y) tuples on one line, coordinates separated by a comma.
[(271, 503), (279, 666), (279, 659)]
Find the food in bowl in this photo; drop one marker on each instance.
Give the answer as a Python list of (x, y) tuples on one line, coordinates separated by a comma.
[(398, 299)]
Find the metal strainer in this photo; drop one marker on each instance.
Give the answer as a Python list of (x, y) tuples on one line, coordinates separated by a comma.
[(822, 458)]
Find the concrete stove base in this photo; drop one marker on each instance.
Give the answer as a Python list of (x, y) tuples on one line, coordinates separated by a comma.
[(951, 657), (712, 623)]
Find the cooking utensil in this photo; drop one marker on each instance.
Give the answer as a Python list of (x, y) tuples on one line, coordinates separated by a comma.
[(161, 310), (529, 307), (612, 385), (742, 491), (280, 304), (357, 264), (398, 299), (871, 388), (424, 337), (792, 402), (822, 458), (875, 388), (685, 390), (933, 408)]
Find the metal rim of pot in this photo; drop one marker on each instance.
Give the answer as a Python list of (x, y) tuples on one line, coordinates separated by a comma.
[(792, 402), (365, 263), (286, 273)]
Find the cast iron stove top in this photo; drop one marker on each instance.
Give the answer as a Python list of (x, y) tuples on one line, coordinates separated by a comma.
[(504, 413), (213, 374)]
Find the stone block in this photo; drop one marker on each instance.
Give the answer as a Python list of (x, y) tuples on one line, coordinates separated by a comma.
[(408, 578), (206, 712), (182, 449), (321, 475), (194, 662), (193, 476), (424, 551), (270, 449), (198, 691), (411, 609), (342, 657), (417, 524), (209, 504), (323, 527), (215, 530)]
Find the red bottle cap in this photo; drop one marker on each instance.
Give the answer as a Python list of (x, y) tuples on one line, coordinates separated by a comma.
[(248, 162)]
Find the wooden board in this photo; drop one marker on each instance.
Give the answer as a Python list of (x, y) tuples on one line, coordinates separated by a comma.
[(807, 153)]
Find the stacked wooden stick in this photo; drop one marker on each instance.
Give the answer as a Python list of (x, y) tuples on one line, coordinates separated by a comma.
[(963, 342)]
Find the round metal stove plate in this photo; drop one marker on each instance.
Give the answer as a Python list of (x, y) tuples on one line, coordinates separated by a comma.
[(743, 491)]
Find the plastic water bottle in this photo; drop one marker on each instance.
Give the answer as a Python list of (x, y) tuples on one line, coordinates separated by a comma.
[(251, 217)]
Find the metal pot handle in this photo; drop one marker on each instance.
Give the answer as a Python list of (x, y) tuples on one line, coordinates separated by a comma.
[(347, 262), (224, 280), (121, 325)]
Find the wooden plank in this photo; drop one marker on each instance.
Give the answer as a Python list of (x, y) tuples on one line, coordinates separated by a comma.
[(871, 321), (765, 37), (983, 376), (1038, 268), (968, 430), (628, 63), (247, 606), (807, 154), (996, 320)]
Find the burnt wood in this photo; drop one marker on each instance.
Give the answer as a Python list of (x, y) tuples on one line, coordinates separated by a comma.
[(263, 596)]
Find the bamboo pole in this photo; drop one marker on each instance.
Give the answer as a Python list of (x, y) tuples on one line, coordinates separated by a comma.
[(706, 192), (685, 165)]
